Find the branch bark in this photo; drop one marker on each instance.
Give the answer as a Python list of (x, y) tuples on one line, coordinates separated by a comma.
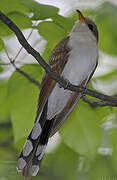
[(98, 103), (63, 83)]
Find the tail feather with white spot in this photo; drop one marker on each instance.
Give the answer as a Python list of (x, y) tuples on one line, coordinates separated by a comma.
[(30, 159)]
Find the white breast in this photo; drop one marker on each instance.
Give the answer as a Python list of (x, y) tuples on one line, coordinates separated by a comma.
[(81, 63), (82, 59)]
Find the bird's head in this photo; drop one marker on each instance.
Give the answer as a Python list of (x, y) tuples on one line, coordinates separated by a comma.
[(85, 24)]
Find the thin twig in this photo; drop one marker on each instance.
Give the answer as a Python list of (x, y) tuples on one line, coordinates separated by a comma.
[(63, 83), (27, 76), (22, 46), (5, 64), (97, 103), (5, 124), (22, 72)]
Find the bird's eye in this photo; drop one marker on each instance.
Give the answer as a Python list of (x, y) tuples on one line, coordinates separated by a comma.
[(90, 27)]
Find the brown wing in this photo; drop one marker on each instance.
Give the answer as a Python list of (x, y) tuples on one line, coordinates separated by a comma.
[(63, 115), (73, 100), (57, 62)]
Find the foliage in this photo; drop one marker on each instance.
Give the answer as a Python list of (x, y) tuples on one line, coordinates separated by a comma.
[(87, 130), (105, 18)]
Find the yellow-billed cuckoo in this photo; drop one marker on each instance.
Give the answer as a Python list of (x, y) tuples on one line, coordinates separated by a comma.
[(75, 58)]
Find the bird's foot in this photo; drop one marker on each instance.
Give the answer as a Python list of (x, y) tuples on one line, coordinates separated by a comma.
[(85, 90), (67, 83)]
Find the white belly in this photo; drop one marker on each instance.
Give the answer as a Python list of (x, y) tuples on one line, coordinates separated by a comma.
[(81, 63)]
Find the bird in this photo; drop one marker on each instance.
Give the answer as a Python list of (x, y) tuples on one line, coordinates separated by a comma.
[(75, 58)]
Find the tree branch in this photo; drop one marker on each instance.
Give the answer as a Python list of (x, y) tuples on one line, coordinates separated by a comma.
[(30, 78), (94, 104), (22, 46), (63, 83), (12, 62), (5, 64)]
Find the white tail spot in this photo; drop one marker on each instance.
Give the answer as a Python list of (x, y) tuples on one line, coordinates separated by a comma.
[(42, 153), (21, 164), (36, 131), (34, 170), (39, 149), (28, 147)]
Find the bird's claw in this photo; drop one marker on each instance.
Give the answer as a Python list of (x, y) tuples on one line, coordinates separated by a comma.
[(67, 83), (85, 90)]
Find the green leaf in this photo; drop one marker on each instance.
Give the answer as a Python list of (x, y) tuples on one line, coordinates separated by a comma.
[(82, 131), (1, 69), (21, 20), (4, 111), (17, 81), (1, 45), (106, 20), (53, 33), (102, 168), (7, 157), (40, 11), (108, 76), (103, 112), (113, 137), (23, 97), (48, 51), (5, 134), (13, 5), (23, 110), (65, 23), (61, 164)]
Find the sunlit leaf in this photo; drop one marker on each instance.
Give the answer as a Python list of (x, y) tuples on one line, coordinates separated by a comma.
[(13, 5), (4, 112), (21, 20), (48, 51), (23, 97), (65, 23), (53, 33), (40, 11), (103, 112), (23, 110)]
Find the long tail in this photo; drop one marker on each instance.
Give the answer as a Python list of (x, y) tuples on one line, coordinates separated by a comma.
[(32, 154)]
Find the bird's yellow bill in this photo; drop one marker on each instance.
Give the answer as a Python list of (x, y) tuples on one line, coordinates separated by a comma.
[(81, 17)]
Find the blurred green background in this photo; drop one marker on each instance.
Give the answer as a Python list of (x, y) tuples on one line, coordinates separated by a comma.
[(86, 146)]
